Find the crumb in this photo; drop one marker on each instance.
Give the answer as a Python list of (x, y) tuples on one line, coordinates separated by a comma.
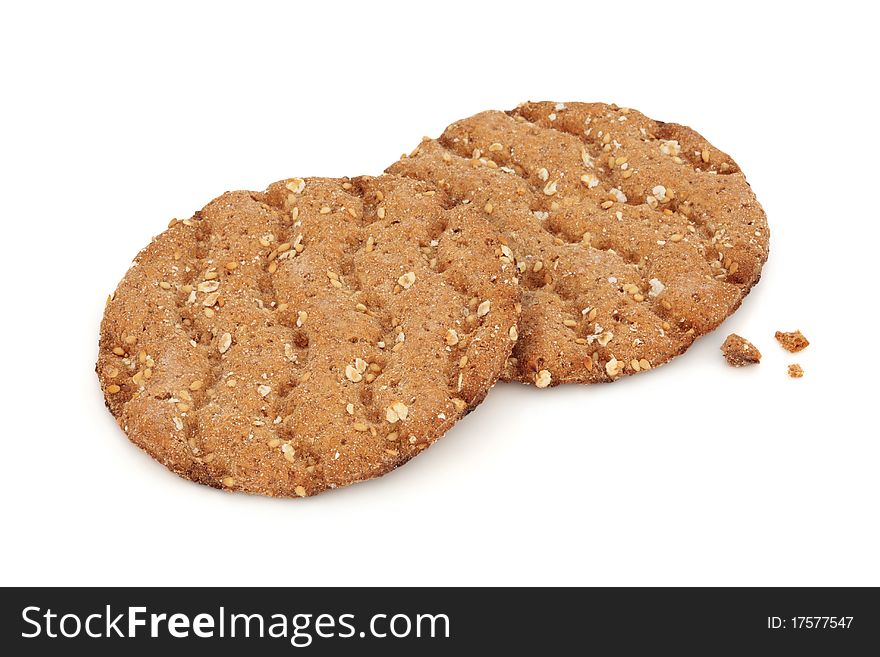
[(795, 371), (794, 341), (738, 351)]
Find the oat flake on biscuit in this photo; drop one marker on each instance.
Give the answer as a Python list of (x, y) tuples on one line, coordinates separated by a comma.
[(296, 340), (633, 236)]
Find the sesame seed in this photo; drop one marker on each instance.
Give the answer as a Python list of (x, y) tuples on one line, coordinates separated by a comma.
[(570, 323), (406, 280), (396, 411), (483, 308), (119, 351), (300, 491), (590, 180), (670, 147), (611, 367), (380, 212), (263, 389), (224, 343), (585, 157), (550, 188), (296, 185), (352, 374), (360, 426), (543, 378), (325, 210), (113, 389), (513, 334), (451, 337), (228, 481)]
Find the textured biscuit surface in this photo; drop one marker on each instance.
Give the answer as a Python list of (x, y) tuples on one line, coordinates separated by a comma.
[(633, 236), (738, 351), (314, 335)]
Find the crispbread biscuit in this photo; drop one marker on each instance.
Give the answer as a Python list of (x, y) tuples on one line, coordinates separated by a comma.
[(314, 335), (633, 236)]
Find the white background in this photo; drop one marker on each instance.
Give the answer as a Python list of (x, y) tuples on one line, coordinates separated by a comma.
[(117, 117)]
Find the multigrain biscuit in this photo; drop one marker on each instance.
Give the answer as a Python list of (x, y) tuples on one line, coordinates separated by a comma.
[(314, 335), (793, 341), (633, 236), (738, 351), (795, 371)]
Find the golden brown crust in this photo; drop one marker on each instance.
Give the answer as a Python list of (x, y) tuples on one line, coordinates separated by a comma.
[(300, 339), (795, 371), (633, 236), (738, 351)]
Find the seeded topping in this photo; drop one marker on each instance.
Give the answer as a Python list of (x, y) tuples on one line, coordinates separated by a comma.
[(397, 411), (296, 185), (272, 342), (406, 281), (602, 207)]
